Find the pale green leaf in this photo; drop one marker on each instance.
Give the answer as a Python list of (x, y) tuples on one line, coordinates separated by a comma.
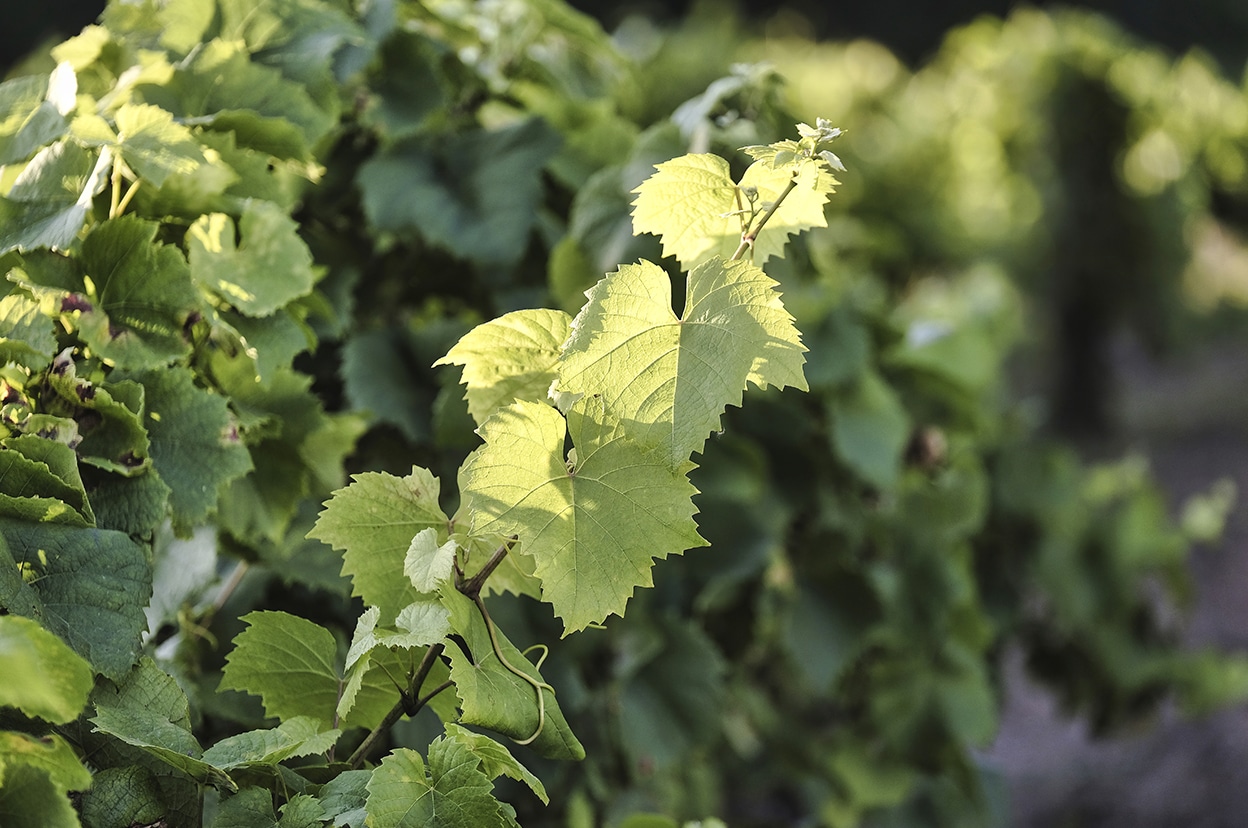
[(32, 112), (692, 204), (452, 793), (43, 677), (427, 564), (48, 203), (668, 380), (153, 145), (370, 691), (801, 209), (509, 358), (220, 86), (92, 586), (51, 753), (417, 626), (30, 799), (593, 523), (494, 697), (289, 663), (374, 520), (268, 268), (496, 760)]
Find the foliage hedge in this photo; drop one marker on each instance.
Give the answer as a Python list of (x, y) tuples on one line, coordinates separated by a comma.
[(237, 238)]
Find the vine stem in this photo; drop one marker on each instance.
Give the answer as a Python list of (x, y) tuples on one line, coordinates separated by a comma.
[(747, 239), (405, 705), (472, 588)]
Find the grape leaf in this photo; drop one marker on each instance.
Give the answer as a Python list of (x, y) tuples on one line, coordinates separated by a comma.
[(667, 380), (113, 437), (270, 266), (62, 462), (452, 793), (289, 663), (300, 736), (27, 336), (51, 753), (151, 143), (147, 709), (43, 677), (301, 811), (375, 368), (493, 697), (92, 586), (219, 86), (495, 759), (373, 521), (870, 429), (427, 564), (249, 808), (143, 295), (153, 734), (344, 796), (33, 110), (48, 203), (29, 798), (697, 211), (509, 358), (593, 524), (122, 796), (134, 505), (418, 625), (194, 442), (30, 491), (477, 197)]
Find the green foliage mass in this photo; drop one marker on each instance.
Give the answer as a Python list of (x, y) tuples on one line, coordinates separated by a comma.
[(266, 559)]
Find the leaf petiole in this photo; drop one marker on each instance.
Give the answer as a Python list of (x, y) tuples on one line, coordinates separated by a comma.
[(747, 238)]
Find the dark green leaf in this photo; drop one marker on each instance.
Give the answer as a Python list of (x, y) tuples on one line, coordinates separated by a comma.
[(477, 198), (93, 585), (194, 443), (143, 295), (122, 796)]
